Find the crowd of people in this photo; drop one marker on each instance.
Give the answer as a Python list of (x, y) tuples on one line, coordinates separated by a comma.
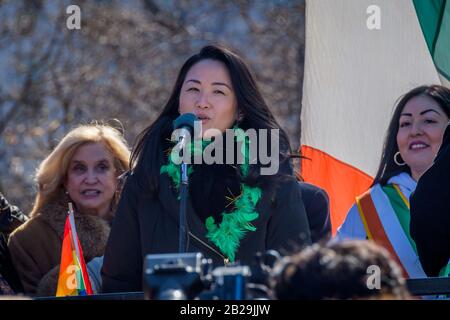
[(127, 201)]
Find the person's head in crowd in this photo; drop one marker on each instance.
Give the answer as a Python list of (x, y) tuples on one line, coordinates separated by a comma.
[(415, 132), (84, 166), (343, 270), (217, 86)]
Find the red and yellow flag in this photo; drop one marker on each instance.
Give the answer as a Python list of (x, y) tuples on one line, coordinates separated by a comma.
[(73, 278)]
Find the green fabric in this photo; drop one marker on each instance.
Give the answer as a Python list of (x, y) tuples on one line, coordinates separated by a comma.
[(429, 14), (237, 223), (442, 49), (401, 211), (445, 271), (434, 19), (173, 170)]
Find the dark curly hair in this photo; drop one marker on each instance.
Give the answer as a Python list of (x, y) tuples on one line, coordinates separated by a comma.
[(338, 271)]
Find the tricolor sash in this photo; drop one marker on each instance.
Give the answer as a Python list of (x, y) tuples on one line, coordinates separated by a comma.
[(385, 214)]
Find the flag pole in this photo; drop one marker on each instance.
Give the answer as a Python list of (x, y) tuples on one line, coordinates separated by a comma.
[(74, 231)]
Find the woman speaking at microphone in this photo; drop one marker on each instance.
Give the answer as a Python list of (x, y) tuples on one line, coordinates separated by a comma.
[(233, 210)]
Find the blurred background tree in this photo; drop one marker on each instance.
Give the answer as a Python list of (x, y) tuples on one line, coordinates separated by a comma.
[(122, 64)]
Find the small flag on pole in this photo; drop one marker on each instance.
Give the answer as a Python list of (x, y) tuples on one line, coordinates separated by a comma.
[(73, 278)]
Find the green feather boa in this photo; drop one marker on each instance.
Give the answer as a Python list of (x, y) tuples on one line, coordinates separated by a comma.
[(237, 223)]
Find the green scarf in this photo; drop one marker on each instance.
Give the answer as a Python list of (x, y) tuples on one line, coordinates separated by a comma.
[(237, 223)]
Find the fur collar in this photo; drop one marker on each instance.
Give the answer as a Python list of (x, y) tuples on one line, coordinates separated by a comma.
[(92, 231)]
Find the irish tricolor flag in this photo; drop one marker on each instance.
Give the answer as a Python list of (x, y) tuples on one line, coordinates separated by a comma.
[(360, 56)]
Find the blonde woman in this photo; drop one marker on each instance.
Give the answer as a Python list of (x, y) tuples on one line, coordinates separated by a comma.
[(84, 169)]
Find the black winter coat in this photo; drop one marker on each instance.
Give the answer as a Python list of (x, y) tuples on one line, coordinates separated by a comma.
[(149, 225), (317, 210), (10, 218), (430, 212)]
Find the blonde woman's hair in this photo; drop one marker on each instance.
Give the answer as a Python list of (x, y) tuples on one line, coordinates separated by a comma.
[(51, 174)]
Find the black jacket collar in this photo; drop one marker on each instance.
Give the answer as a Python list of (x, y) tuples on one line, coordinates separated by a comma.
[(171, 204)]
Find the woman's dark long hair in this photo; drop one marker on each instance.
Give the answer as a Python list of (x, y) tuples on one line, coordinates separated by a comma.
[(146, 157), (388, 168)]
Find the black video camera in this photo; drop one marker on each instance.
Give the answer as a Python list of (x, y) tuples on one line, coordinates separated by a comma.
[(180, 276)]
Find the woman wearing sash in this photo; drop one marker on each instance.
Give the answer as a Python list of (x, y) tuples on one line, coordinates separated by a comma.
[(413, 139), (234, 210)]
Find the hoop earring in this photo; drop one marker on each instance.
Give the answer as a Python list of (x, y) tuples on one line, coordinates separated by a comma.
[(240, 116), (398, 162)]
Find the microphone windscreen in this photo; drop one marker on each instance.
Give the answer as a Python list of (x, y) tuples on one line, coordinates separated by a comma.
[(185, 120)]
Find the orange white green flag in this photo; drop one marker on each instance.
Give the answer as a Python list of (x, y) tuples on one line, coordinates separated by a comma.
[(360, 57), (73, 278)]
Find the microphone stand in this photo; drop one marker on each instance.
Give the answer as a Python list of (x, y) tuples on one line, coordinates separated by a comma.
[(184, 123), (182, 247)]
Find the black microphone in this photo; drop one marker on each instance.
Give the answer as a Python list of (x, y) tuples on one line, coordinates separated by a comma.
[(184, 128), (185, 120), (185, 125)]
